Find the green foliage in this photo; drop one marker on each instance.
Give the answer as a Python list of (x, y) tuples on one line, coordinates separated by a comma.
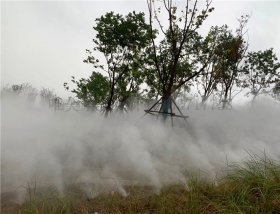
[(133, 56), (211, 76), (128, 87), (120, 39), (261, 70), (228, 55), (180, 56), (194, 54), (116, 31), (92, 91), (253, 185)]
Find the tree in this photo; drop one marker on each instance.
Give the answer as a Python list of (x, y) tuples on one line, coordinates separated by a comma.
[(276, 90), (129, 86), (261, 71), (179, 57), (210, 77), (7, 91), (230, 53), (92, 91), (25, 91), (46, 95), (120, 39)]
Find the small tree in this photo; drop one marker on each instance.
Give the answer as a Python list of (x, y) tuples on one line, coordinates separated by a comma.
[(261, 70), (7, 91), (92, 91), (46, 95)]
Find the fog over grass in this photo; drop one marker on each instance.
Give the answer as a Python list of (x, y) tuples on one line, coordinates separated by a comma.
[(59, 148)]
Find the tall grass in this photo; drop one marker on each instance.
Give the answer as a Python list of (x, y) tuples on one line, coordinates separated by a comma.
[(252, 186)]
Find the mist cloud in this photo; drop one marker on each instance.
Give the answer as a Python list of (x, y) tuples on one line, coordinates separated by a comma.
[(61, 148)]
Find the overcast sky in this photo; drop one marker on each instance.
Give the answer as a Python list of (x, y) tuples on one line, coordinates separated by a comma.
[(44, 43)]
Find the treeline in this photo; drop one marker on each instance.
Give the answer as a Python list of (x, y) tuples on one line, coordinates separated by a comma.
[(27, 92), (148, 62), (145, 60)]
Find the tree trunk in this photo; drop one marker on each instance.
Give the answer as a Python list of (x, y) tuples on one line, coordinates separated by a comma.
[(109, 104), (108, 108), (107, 111), (225, 99), (166, 100), (122, 104), (254, 100), (204, 99)]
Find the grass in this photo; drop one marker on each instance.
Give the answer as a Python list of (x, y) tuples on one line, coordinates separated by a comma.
[(252, 186)]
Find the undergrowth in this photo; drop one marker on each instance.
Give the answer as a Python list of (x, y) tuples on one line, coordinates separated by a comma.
[(252, 186)]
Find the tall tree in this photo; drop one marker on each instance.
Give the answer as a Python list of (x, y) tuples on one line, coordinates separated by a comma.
[(119, 39), (175, 60)]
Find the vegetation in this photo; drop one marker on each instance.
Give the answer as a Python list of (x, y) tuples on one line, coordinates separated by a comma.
[(182, 54), (92, 91), (260, 72), (25, 91), (120, 39), (170, 59), (276, 91), (168, 65), (223, 69), (46, 95), (249, 187)]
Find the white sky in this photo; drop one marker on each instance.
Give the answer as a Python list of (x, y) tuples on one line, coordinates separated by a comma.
[(44, 43)]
